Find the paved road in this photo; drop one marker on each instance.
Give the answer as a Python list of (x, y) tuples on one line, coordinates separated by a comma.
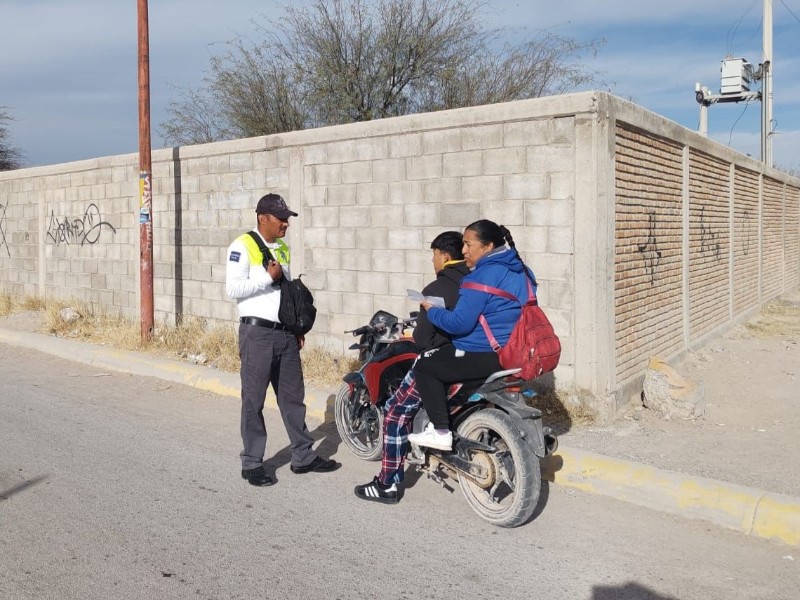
[(119, 486)]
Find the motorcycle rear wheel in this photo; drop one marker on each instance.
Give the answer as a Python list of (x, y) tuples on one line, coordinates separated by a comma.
[(509, 496), (363, 435)]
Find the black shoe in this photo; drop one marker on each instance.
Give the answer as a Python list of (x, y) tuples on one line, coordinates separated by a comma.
[(318, 465), (375, 491), (257, 476)]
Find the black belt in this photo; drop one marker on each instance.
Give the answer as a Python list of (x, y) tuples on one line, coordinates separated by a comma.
[(261, 322)]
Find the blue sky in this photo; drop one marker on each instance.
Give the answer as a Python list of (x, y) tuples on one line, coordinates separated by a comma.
[(68, 67)]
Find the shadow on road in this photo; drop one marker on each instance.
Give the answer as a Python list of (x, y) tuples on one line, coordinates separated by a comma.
[(628, 591), (6, 494), (326, 432)]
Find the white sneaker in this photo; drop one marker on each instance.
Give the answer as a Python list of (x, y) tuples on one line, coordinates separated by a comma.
[(432, 439)]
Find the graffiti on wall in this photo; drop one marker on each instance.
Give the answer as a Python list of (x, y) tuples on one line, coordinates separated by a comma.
[(80, 230), (747, 231), (709, 242), (3, 240), (649, 250)]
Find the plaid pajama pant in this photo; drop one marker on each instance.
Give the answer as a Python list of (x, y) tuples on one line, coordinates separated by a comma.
[(398, 414)]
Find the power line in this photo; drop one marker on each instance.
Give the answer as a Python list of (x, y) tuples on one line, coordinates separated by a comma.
[(733, 29), (730, 137), (796, 18)]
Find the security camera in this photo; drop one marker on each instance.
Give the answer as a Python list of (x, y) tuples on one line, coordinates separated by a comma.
[(701, 93)]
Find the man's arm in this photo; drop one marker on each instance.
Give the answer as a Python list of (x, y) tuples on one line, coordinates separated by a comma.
[(238, 282)]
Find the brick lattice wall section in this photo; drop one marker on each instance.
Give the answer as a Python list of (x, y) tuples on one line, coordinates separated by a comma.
[(709, 242), (745, 234), (792, 242), (772, 259), (648, 251)]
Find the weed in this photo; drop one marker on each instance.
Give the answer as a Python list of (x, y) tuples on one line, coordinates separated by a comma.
[(191, 339)]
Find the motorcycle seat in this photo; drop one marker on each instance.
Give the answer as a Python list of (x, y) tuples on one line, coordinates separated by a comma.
[(500, 374)]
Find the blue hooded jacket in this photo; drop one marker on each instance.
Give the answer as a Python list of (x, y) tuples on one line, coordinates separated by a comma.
[(501, 269)]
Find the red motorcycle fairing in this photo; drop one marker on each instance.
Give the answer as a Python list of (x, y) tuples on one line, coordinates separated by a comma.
[(374, 372)]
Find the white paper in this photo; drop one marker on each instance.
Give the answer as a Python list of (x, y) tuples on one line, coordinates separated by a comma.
[(432, 300)]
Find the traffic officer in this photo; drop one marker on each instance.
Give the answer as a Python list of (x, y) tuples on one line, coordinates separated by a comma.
[(269, 353)]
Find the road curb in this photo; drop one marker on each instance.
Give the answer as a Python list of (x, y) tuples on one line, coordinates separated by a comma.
[(751, 511), (319, 403)]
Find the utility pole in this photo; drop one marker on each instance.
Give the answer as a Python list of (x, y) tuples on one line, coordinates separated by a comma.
[(145, 180), (737, 74), (766, 88)]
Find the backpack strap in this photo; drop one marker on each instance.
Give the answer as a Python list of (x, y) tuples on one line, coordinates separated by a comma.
[(267, 255), (469, 285), (498, 292), (479, 287)]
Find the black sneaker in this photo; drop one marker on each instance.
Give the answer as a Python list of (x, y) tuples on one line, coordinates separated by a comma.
[(375, 491)]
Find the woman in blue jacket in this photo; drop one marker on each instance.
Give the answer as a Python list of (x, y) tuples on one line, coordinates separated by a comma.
[(490, 253)]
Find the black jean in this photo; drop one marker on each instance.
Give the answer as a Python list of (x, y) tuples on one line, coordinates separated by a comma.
[(437, 369)]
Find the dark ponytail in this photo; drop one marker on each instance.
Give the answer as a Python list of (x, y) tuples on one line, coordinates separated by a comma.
[(508, 239)]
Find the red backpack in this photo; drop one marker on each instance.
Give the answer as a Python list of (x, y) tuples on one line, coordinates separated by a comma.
[(533, 346)]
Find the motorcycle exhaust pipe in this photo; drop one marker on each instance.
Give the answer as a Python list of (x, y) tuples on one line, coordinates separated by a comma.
[(550, 441)]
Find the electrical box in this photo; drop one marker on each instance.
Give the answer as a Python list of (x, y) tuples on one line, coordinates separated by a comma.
[(737, 74)]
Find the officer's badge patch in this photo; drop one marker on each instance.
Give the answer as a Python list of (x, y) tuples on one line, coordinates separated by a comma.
[(235, 256)]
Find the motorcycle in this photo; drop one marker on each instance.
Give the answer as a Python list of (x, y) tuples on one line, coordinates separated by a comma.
[(498, 440)]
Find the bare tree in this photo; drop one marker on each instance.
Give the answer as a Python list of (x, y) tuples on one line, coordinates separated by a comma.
[(340, 61), (10, 157)]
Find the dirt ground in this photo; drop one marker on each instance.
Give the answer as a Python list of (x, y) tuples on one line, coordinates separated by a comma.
[(750, 432)]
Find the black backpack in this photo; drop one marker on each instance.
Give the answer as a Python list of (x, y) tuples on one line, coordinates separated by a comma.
[(297, 311)]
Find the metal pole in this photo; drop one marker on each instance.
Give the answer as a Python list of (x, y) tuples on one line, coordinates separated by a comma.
[(704, 119), (766, 87), (145, 180)]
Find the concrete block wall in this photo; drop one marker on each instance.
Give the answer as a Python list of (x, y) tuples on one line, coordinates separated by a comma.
[(646, 238), (69, 232), (204, 197), (374, 205)]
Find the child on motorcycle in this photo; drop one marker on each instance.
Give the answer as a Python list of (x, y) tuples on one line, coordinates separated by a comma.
[(399, 411)]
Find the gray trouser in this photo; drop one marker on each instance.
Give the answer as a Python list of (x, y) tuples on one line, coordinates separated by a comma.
[(270, 355)]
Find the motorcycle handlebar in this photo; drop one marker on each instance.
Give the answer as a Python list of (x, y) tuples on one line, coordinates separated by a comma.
[(359, 331), (367, 328)]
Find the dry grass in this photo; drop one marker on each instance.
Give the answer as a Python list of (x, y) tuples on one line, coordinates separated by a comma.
[(192, 340), (11, 304), (778, 318)]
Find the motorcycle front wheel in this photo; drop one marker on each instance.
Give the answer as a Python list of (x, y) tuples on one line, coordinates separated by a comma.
[(508, 493), (359, 422)]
